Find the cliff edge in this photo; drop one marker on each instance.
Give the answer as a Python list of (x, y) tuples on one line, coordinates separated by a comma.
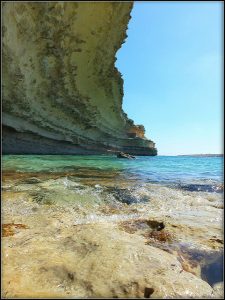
[(61, 91)]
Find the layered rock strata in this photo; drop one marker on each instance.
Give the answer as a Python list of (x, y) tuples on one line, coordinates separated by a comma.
[(61, 90)]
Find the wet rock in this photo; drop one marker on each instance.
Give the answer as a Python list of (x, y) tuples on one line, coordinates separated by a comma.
[(156, 224), (217, 240), (125, 155), (165, 245), (218, 290), (202, 188), (31, 180), (133, 226), (10, 228), (161, 236), (127, 196), (207, 265), (43, 198), (148, 292), (143, 226), (122, 267)]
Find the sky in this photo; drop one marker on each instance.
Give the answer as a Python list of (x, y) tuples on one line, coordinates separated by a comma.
[(172, 66)]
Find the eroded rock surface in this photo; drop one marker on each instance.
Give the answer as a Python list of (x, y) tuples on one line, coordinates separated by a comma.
[(61, 90), (68, 237), (67, 264)]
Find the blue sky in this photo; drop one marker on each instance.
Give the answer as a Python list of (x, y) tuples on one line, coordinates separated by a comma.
[(171, 64)]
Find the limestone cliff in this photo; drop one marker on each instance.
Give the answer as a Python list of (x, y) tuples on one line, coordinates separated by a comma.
[(61, 90)]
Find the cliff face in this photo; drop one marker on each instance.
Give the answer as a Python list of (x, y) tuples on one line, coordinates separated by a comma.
[(61, 90)]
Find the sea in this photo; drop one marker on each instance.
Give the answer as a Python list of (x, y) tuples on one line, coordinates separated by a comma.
[(183, 172), (184, 193)]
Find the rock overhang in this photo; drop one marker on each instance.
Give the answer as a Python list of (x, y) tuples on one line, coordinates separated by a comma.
[(61, 90)]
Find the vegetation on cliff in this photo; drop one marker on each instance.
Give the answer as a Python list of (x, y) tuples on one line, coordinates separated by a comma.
[(61, 89)]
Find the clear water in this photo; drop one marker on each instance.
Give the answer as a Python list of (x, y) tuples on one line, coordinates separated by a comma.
[(62, 191), (172, 170)]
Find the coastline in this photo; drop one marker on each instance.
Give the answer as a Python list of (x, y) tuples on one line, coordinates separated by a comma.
[(92, 232), (203, 155)]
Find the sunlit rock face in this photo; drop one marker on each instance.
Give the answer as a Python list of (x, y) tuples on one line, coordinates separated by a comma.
[(61, 90)]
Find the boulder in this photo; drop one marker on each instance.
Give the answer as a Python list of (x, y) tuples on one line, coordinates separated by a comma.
[(125, 155)]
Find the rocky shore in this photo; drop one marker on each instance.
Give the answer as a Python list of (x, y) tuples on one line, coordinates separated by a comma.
[(89, 234)]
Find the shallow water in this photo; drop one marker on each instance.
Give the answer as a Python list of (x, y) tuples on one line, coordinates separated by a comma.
[(159, 169), (51, 193)]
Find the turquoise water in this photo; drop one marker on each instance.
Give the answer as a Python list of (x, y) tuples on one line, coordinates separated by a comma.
[(178, 170), (67, 190)]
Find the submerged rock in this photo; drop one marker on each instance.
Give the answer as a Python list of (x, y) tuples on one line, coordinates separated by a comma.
[(127, 195), (31, 180), (202, 187), (123, 241)]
